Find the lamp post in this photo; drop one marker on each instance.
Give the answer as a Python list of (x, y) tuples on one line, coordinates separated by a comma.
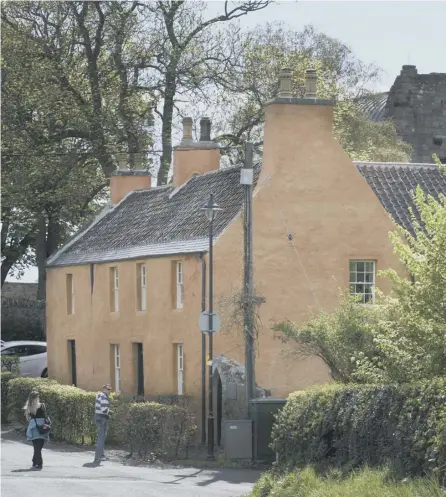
[(210, 210)]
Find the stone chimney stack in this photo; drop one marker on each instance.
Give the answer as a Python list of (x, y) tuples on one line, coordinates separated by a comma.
[(192, 158), (294, 124), (125, 180)]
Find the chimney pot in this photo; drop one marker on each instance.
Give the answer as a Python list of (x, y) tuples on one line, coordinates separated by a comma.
[(123, 162), (205, 129), (187, 130), (310, 83), (138, 159), (285, 83)]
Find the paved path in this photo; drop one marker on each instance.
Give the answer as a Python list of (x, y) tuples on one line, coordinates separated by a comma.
[(69, 474)]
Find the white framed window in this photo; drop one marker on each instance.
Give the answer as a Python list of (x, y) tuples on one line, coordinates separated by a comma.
[(180, 369), (143, 276), (117, 355), (180, 285), (114, 290), (362, 280)]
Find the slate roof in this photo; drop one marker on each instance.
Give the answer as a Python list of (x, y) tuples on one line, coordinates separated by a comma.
[(374, 106), (159, 221), (393, 184), (165, 220)]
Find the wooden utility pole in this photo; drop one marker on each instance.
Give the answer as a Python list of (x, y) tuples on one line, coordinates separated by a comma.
[(247, 180)]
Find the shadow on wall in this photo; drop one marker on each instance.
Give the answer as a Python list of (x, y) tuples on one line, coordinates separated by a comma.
[(229, 386)]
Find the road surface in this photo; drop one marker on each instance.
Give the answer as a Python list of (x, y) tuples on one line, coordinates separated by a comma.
[(69, 472)]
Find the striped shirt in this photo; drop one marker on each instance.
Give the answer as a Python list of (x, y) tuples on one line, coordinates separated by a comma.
[(102, 404)]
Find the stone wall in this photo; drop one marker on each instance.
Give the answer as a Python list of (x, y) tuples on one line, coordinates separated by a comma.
[(417, 104), (23, 316), (233, 380)]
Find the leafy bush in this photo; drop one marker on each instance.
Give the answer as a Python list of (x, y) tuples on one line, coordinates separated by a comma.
[(364, 483), (334, 337), (403, 426), (163, 430), (10, 363), (153, 429), (6, 377), (71, 409)]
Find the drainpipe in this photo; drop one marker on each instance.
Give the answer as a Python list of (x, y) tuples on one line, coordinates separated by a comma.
[(203, 352)]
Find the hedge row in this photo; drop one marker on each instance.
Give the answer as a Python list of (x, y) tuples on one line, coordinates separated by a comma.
[(6, 377), (403, 426), (71, 409), (143, 427)]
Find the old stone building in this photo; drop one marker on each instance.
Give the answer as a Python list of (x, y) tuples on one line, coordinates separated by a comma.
[(417, 104)]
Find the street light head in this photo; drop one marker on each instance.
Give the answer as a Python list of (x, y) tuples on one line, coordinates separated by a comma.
[(211, 208)]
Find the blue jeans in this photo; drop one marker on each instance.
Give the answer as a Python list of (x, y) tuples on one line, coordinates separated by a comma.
[(102, 424)]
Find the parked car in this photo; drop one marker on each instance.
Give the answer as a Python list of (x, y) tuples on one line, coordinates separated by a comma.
[(32, 357)]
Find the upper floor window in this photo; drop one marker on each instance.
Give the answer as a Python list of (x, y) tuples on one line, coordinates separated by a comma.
[(180, 285), (114, 289), (362, 280), (141, 286), (70, 293)]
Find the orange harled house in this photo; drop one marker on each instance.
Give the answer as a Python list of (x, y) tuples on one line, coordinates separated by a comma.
[(125, 294)]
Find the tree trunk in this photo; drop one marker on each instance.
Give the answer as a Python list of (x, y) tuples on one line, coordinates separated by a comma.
[(41, 250), (13, 254), (166, 157)]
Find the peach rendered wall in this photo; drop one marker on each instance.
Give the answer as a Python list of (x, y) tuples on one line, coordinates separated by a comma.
[(95, 328), (308, 188)]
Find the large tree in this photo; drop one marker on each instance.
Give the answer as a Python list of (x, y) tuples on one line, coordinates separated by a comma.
[(68, 105), (341, 77), (84, 80)]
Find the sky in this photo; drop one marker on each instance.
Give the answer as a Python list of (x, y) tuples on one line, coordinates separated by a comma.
[(388, 34)]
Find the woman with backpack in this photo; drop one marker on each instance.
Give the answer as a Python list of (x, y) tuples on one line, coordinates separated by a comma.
[(39, 426)]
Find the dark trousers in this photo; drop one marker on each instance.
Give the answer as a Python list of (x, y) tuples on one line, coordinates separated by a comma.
[(38, 446)]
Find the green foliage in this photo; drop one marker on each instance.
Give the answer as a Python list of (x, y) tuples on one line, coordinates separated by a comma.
[(364, 483), (67, 108), (410, 338), (10, 363), (334, 337), (6, 377), (155, 430), (349, 426), (341, 78), (147, 428), (71, 409)]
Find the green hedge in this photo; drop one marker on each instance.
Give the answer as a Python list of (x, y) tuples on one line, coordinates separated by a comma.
[(403, 426), (144, 427), (153, 429), (6, 377), (71, 409)]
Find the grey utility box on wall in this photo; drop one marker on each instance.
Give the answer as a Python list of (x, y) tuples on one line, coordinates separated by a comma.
[(238, 439)]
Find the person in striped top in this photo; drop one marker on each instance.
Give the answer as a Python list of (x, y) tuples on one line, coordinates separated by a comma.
[(101, 414)]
